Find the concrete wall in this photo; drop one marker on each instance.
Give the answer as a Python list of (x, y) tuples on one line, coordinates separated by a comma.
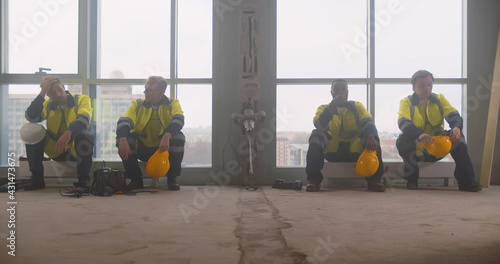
[(227, 90), (483, 25)]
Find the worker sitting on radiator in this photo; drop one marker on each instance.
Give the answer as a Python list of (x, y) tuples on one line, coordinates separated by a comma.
[(343, 130), (421, 116), (149, 124)]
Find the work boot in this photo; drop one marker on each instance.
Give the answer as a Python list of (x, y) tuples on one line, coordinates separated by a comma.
[(37, 181), (171, 184), (312, 186), (136, 183), (471, 187), (81, 184), (376, 186), (83, 181), (412, 185), (81, 189)]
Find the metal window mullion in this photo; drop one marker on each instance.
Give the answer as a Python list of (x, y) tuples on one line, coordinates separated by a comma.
[(83, 41), (93, 63), (371, 57), (173, 48), (4, 91), (464, 67), (94, 40), (4, 48)]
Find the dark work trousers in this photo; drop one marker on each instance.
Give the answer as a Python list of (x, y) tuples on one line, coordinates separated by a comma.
[(84, 146), (464, 172), (143, 153), (316, 160)]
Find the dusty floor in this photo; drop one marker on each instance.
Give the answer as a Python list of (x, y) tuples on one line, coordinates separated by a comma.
[(233, 225)]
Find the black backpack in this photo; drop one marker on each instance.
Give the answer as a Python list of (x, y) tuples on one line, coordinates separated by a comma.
[(108, 181)]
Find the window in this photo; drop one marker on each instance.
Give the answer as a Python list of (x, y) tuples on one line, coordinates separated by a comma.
[(403, 45), (314, 38), (195, 39), (20, 98), (135, 38), (132, 41), (196, 103), (42, 34), (321, 41)]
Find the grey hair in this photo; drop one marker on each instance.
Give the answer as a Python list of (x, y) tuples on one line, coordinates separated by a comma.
[(160, 80)]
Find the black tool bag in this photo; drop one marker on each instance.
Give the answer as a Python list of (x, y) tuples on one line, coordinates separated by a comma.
[(108, 181), (282, 184)]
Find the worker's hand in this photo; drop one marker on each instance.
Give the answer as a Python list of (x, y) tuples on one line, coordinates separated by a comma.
[(62, 143), (123, 148), (455, 134), (371, 143), (339, 101), (165, 142), (47, 82), (425, 138)]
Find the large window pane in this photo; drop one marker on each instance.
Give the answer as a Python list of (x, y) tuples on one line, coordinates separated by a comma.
[(195, 39), (135, 38), (42, 34), (20, 97), (387, 99), (413, 35), (321, 38), (196, 103), (114, 100), (296, 108)]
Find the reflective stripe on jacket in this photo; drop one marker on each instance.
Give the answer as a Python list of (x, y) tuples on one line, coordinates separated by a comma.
[(136, 118), (353, 126), (413, 120), (80, 112), (430, 121)]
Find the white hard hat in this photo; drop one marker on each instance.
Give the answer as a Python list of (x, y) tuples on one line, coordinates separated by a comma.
[(32, 133)]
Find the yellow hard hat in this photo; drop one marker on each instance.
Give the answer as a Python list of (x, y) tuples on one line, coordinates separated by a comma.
[(367, 163), (158, 165), (440, 146)]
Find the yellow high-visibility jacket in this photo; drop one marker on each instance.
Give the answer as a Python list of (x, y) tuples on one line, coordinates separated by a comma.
[(136, 118), (414, 120), (353, 126), (74, 117)]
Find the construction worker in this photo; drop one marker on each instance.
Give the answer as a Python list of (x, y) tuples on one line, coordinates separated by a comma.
[(67, 138), (148, 125), (421, 116), (343, 130)]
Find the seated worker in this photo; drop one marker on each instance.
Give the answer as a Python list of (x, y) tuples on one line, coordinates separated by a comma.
[(420, 117), (68, 137), (150, 124), (343, 130)]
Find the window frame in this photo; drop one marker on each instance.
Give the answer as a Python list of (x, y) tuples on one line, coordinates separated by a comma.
[(88, 38), (371, 80)]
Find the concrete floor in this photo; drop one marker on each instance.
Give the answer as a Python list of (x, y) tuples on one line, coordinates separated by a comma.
[(232, 225)]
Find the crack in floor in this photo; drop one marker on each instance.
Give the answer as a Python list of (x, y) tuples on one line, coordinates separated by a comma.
[(259, 231)]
